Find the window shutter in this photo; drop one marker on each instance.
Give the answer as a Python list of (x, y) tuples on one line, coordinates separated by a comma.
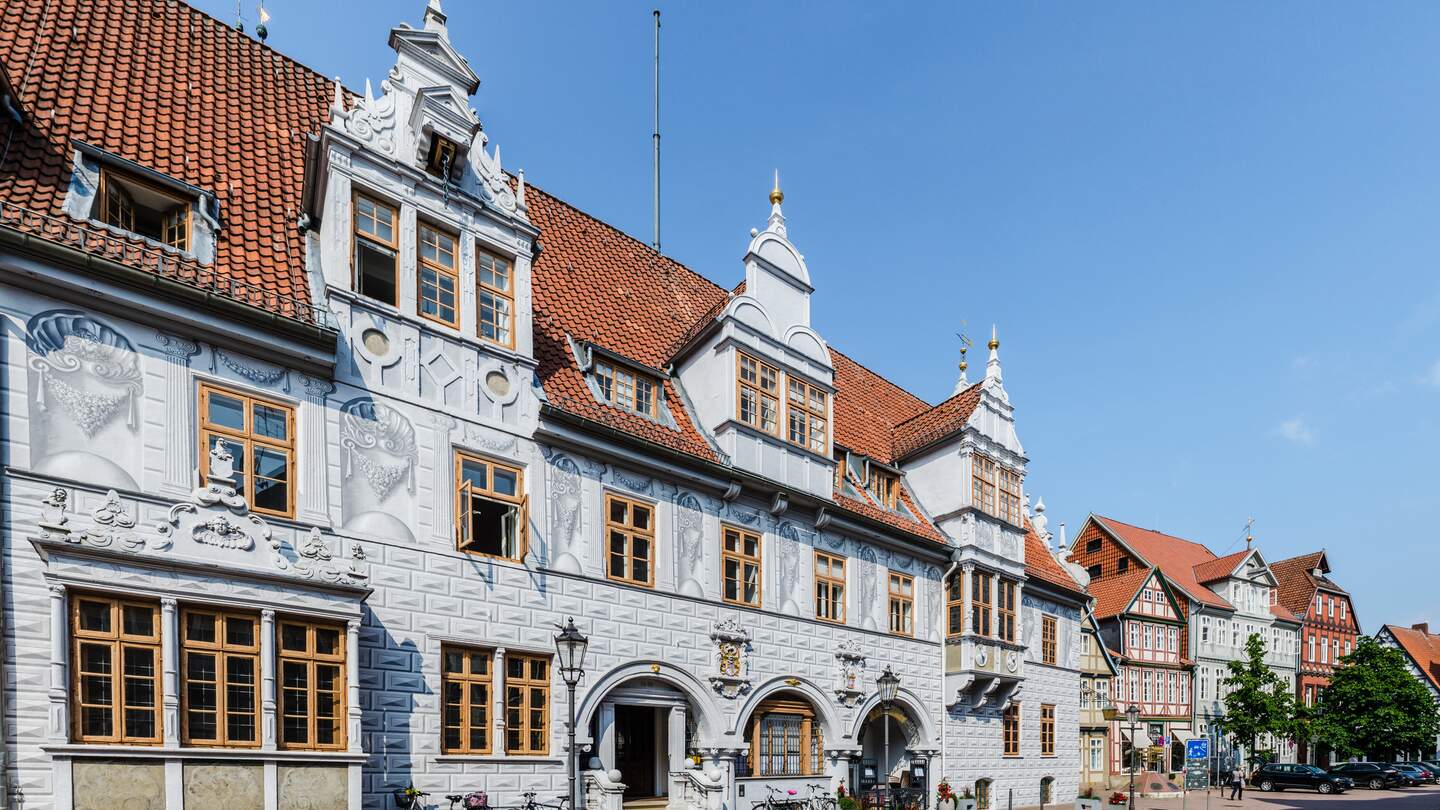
[(523, 533), (462, 517)]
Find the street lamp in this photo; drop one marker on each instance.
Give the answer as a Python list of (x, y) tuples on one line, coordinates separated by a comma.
[(1132, 717), (888, 684), (570, 646)]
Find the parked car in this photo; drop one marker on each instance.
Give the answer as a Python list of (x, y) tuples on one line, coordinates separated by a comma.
[(1374, 775), (1431, 772), (1278, 776), (1413, 775)]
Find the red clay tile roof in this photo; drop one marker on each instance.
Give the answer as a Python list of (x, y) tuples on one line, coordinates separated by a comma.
[(1220, 567), (179, 92), (1114, 594), (936, 424), (1423, 649), (1174, 556), (1041, 564), (868, 408), (1298, 584)]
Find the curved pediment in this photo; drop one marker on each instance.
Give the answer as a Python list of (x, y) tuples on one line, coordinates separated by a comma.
[(778, 254), (808, 342)]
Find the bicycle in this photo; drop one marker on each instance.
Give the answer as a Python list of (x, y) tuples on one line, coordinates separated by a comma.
[(408, 798), (475, 800), (778, 800), (820, 798)]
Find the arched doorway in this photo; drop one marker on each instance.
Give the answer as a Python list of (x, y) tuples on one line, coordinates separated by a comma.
[(901, 768)]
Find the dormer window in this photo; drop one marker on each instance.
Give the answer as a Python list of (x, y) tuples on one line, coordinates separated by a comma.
[(438, 277), (143, 209), (626, 389), (376, 249), (758, 404), (808, 414), (884, 487), (444, 153)]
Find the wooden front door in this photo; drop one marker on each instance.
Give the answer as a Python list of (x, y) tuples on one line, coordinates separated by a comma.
[(636, 749)]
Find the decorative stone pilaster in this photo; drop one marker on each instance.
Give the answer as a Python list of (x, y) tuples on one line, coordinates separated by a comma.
[(497, 676), (59, 680), (169, 671), (314, 461), (967, 585), (267, 680), (179, 451), (352, 684), (443, 522)]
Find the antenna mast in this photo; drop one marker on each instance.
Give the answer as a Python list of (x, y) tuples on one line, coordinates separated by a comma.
[(655, 243)]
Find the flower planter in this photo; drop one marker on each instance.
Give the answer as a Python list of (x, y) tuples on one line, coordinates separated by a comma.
[(1088, 804), (965, 804)]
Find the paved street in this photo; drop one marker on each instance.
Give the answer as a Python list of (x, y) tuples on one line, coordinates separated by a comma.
[(1422, 797)]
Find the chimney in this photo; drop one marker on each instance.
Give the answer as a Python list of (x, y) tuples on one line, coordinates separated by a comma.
[(1423, 627)]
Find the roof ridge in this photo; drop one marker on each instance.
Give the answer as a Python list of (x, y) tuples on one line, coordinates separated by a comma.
[(1162, 534)]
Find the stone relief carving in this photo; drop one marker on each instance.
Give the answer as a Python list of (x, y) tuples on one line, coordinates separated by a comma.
[(380, 442), (565, 511), (746, 517), (86, 368), (869, 588), (371, 120), (235, 529), (639, 483), (489, 439), (850, 688), (789, 579), (594, 469), (258, 375), (934, 602), (834, 541), (731, 677), (899, 561), (690, 534), (314, 561)]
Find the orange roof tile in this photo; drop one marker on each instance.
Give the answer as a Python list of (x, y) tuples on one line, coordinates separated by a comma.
[(1114, 594), (1220, 567), (1174, 556), (1423, 648), (943, 420), (1041, 564), (1298, 582)]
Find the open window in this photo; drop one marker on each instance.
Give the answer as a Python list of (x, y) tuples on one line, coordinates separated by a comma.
[(884, 487), (442, 158), (491, 508), (144, 209), (376, 246)]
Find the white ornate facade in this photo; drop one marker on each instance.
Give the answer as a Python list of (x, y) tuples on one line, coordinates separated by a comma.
[(128, 491)]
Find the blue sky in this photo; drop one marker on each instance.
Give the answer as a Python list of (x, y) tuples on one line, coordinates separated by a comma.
[(1207, 232)]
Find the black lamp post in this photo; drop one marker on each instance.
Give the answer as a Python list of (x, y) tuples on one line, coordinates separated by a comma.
[(888, 684), (1132, 717), (570, 646)]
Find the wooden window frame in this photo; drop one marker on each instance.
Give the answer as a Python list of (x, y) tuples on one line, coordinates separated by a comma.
[(742, 561), (828, 585), (809, 414), (1048, 629), (525, 686), (1047, 730), (1010, 490), (466, 490), (757, 389), (118, 642), (440, 270), (611, 378), (175, 231), (902, 605), (631, 534), (1010, 729), (246, 440), (508, 296), (981, 602), (466, 679), (955, 604), (311, 660), (983, 492), (223, 650), (392, 246), (1007, 608), (811, 737), (435, 164), (884, 486)]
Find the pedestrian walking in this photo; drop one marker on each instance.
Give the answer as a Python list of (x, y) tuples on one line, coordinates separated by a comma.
[(1237, 783)]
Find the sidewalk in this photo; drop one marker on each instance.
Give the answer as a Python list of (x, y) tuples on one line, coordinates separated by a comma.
[(1427, 797)]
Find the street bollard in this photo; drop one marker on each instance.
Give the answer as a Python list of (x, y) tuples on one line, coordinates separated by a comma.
[(1010, 802)]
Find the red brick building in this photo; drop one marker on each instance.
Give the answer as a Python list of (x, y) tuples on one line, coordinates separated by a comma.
[(1328, 632)]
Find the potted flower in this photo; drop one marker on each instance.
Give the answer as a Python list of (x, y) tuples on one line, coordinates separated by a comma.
[(1087, 800), (1117, 799), (408, 797), (966, 800), (845, 800), (944, 796)]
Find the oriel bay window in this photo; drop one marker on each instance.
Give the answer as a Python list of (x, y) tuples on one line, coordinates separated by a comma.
[(1005, 613), (786, 739), (629, 541), (377, 245), (438, 276), (807, 414), (740, 563), (995, 490), (758, 402), (902, 604), (312, 685), (260, 435), (495, 292), (115, 655), (829, 587), (527, 704), (492, 511), (955, 604), (466, 688), (220, 668)]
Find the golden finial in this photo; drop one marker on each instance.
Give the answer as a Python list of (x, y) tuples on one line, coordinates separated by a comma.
[(963, 364), (776, 195), (994, 338)]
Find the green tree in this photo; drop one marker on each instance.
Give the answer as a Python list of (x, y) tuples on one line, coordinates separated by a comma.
[(1374, 707), (1258, 702)]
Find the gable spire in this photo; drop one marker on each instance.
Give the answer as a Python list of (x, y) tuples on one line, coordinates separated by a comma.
[(992, 368), (776, 223), (435, 18)]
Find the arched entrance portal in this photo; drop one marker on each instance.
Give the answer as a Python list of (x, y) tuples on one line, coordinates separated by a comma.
[(645, 728), (901, 768)]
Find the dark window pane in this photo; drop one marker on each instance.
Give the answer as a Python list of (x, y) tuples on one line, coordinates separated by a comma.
[(375, 272), (327, 641), (139, 723), (505, 482), (270, 422), (292, 637), (202, 725), (95, 616), (240, 631), (200, 627)]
